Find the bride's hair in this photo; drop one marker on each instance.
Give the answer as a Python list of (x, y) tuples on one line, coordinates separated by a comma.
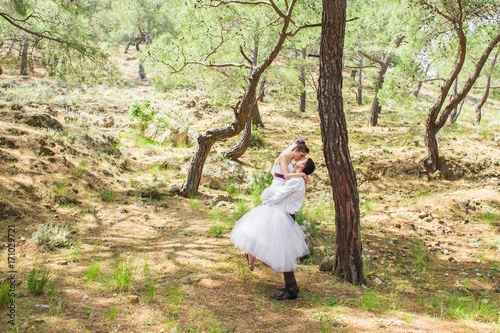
[(302, 148), (309, 168)]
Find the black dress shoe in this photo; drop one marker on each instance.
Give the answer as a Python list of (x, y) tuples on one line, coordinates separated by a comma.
[(285, 295), (282, 289)]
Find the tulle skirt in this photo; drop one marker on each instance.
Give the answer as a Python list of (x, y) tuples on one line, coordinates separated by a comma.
[(271, 234)]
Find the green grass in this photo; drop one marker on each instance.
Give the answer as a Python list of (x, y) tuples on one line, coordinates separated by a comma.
[(149, 290), (123, 277), (216, 230), (174, 298), (109, 195), (111, 314), (5, 298), (92, 271), (370, 300), (468, 308), (36, 283), (420, 258), (490, 217)]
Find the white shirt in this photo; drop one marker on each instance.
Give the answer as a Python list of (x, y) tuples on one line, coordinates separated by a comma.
[(290, 197)]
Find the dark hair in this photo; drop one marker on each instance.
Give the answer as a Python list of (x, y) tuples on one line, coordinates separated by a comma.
[(309, 167), (302, 148)]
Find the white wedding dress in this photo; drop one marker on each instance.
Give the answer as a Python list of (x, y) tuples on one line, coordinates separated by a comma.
[(269, 233)]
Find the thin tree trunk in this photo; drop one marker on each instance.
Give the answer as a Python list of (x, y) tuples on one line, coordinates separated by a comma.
[(384, 65), (359, 96), (348, 261), (486, 89), (419, 85), (208, 138), (302, 79), (24, 57), (454, 115), (262, 87)]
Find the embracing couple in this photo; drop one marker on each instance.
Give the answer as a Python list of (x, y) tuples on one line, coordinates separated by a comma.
[(269, 231)]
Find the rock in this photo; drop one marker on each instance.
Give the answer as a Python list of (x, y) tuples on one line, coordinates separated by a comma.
[(219, 174), (428, 219), (175, 133), (133, 299), (174, 189), (43, 121), (326, 265), (107, 121), (377, 281), (173, 330), (422, 215), (42, 306), (215, 200), (7, 143), (62, 262), (85, 297)]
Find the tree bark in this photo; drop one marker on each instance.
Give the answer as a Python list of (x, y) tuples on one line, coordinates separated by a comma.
[(241, 147), (384, 65), (454, 113), (209, 137), (433, 124), (486, 89), (302, 79), (359, 96), (262, 87), (348, 261), (24, 57), (419, 85)]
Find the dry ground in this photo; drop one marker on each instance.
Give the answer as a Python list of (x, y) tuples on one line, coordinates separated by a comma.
[(429, 238)]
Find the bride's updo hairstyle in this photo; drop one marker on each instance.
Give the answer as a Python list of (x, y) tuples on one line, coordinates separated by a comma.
[(309, 168), (302, 148)]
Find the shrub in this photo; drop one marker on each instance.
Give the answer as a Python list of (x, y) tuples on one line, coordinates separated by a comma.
[(52, 236), (143, 112)]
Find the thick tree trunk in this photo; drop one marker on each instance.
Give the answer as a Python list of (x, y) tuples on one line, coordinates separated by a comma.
[(256, 119), (348, 261), (208, 138), (359, 96), (302, 79), (241, 147), (486, 89), (24, 57), (433, 124)]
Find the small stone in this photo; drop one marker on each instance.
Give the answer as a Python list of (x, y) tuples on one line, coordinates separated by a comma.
[(446, 252), (85, 297), (478, 261), (62, 262), (174, 189), (173, 330), (423, 215), (377, 281), (42, 306), (133, 299), (326, 265)]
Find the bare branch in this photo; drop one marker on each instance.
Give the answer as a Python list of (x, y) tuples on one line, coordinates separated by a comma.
[(214, 50), (244, 55), (430, 80), (220, 3), (380, 62)]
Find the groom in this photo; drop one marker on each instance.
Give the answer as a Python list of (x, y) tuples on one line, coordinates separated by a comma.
[(291, 197)]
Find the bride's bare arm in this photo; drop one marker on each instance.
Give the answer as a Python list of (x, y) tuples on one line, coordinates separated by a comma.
[(284, 167)]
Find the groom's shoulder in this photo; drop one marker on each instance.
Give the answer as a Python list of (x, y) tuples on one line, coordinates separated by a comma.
[(296, 181)]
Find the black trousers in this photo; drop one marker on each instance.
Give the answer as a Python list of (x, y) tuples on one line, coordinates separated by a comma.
[(290, 282)]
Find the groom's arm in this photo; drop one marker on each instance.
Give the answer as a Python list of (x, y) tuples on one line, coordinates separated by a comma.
[(290, 187)]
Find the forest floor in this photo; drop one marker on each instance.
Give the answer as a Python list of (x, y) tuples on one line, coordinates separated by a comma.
[(137, 258)]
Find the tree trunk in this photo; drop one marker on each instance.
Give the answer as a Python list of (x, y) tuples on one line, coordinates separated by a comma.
[(256, 120), (241, 147), (454, 113), (208, 138), (348, 261), (433, 124), (262, 87), (359, 97), (24, 57), (142, 72), (419, 85), (302, 79), (486, 89)]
